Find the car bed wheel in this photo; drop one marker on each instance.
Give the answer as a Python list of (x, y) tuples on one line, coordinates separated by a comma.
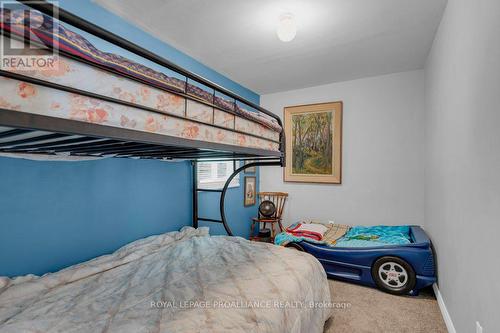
[(393, 275), (295, 246)]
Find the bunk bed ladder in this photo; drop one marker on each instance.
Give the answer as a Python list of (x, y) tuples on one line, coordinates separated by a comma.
[(196, 190)]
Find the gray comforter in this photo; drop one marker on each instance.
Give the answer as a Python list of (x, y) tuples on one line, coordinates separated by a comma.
[(183, 281)]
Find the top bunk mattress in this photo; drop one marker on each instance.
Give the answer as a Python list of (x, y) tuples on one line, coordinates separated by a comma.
[(106, 88)]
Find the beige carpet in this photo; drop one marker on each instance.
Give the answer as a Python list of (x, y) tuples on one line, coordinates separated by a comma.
[(370, 310)]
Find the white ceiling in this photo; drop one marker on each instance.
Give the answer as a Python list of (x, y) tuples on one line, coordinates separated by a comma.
[(337, 40)]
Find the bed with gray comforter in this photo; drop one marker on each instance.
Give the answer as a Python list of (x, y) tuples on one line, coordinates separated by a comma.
[(184, 281)]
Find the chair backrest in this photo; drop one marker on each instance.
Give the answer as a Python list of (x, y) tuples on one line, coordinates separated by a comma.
[(278, 198)]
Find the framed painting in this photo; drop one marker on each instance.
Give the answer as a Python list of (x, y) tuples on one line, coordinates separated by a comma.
[(314, 143), (251, 169), (250, 186)]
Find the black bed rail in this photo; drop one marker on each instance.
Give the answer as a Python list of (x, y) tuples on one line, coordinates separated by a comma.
[(223, 191), (52, 135), (126, 143), (56, 86), (63, 15), (80, 23)]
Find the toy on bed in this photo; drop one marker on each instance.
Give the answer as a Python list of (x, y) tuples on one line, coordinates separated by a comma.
[(396, 259)]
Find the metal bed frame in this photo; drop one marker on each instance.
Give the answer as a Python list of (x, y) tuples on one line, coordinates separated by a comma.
[(35, 134)]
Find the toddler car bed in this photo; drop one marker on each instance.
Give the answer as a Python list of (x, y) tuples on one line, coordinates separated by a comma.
[(398, 265), (181, 281)]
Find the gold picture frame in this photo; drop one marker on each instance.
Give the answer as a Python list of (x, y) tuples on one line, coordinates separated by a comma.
[(313, 143)]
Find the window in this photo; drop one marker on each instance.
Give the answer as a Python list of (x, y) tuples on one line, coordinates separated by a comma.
[(213, 175)]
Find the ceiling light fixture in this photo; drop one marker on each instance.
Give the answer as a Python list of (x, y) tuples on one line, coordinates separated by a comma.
[(287, 27)]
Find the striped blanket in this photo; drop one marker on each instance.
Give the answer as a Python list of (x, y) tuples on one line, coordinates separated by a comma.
[(333, 233)]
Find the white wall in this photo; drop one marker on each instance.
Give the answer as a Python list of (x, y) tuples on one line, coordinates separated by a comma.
[(462, 83), (383, 168)]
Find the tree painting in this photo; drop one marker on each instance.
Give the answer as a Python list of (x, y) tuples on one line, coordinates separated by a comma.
[(312, 143)]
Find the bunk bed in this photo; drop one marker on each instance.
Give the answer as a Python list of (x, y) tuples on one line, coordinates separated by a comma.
[(101, 104), (92, 103)]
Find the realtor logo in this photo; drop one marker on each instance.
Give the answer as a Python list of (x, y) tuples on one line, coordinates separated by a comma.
[(29, 38)]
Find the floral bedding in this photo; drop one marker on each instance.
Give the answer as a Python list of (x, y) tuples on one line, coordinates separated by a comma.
[(49, 31), (151, 109), (30, 98)]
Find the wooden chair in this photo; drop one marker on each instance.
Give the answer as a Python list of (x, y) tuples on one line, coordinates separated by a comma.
[(279, 199)]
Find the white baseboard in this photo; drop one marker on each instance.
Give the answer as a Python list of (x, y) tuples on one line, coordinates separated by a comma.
[(444, 311)]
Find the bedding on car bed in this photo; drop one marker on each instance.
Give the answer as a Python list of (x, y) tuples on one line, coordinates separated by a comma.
[(339, 235)]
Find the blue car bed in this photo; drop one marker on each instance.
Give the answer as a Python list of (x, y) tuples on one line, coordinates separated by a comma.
[(398, 260)]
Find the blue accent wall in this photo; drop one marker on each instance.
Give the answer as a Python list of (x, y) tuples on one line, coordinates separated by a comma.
[(56, 214)]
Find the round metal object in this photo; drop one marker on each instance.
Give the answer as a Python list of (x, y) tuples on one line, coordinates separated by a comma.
[(267, 208)]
